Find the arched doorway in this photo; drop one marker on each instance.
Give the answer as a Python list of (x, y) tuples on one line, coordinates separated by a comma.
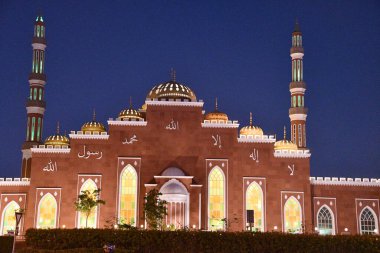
[(177, 197)]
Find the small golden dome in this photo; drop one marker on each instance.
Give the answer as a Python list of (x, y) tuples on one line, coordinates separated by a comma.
[(216, 115), (93, 126), (285, 144), (130, 114), (57, 139), (171, 90), (251, 129)]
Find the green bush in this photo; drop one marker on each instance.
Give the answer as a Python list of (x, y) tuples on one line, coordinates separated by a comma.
[(137, 241), (6, 244)]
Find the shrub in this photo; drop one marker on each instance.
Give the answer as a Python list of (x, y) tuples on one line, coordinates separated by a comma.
[(6, 244), (133, 241)]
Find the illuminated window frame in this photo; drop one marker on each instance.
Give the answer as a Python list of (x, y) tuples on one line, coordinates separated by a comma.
[(120, 191), (253, 184), (332, 218), (3, 215), (56, 209), (284, 209), (374, 220), (208, 194), (96, 208)]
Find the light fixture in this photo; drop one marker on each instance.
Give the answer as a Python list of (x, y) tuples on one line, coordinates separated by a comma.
[(346, 229), (141, 226), (194, 226), (316, 229), (375, 230), (275, 227), (63, 226), (115, 226)]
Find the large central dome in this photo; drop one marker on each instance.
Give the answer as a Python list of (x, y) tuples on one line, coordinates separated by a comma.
[(171, 90)]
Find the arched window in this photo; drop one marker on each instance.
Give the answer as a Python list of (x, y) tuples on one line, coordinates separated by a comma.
[(216, 199), (47, 212), (254, 201), (88, 185), (325, 221), (293, 216), (33, 126), (128, 195), (368, 222), (8, 217)]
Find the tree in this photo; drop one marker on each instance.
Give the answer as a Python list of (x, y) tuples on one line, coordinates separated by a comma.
[(87, 201), (154, 209)]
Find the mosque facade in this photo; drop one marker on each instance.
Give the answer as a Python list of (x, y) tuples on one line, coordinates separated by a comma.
[(214, 174)]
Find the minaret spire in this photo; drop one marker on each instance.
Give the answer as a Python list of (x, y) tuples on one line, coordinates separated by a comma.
[(57, 127), (35, 105), (297, 87), (250, 119), (173, 75), (216, 104), (284, 133), (94, 115)]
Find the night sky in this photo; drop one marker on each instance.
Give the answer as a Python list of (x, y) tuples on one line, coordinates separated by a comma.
[(102, 52)]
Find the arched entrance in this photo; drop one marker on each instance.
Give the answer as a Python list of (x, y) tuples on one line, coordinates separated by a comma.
[(177, 196)]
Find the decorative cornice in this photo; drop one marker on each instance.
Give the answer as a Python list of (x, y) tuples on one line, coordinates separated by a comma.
[(303, 153), (89, 135), (14, 181), (174, 103), (57, 149), (220, 124), (256, 139), (118, 122), (345, 181)]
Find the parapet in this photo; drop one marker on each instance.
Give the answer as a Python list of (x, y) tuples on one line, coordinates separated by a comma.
[(345, 181)]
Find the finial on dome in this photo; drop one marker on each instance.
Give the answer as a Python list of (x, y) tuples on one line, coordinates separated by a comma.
[(250, 118), (94, 115), (130, 102), (57, 127), (216, 104), (284, 132), (172, 74)]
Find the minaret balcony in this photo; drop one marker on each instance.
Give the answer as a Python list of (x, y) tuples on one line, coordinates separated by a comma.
[(298, 110), (294, 50), (37, 76), (35, 103), (39, 40), (301, 84)]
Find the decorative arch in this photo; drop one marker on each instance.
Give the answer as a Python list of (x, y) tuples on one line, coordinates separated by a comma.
[(368, 221), (255, 201), (325, 220), (8, 218), (216, 199), (292, 216), (127, 212), (47, 212), (88, 185)]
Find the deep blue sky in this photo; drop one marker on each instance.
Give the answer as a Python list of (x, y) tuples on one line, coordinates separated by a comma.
[(99, 53)]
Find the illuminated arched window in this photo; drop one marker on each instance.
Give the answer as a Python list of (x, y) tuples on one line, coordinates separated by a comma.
[(8, 217), (293, 216), (254, 201), (128, 195), (368, 222), (216, 199), (325, 221), (47, 212), (88, 185)]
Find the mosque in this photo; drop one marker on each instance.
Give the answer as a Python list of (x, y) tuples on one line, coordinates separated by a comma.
[(213, 173)]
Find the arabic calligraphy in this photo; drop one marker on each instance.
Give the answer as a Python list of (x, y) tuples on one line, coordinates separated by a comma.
[(291, 168), (87, 154), (131, 140), (255, 155), (217, 141), (173, 125), (50, 166)]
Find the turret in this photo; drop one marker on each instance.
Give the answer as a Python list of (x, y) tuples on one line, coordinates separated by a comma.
[(297, 87)]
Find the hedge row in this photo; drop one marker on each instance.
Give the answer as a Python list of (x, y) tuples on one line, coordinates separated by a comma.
[(137, 241), (6, 244)]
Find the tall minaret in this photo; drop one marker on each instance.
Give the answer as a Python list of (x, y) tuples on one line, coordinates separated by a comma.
[(35, 105), (297, 87)]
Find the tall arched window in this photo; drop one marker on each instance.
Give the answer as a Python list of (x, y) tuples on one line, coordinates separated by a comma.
[(292, 216), (47, 212), (216, 199), (8, 217), (325, 221), (368, 222), (88, 185), (128, 195), (254, 201)]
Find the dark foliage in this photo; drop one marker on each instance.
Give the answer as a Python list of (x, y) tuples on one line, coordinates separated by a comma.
[(6, 244), (138, 241)]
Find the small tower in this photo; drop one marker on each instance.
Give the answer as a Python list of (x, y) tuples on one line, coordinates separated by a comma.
[(35, 105), (297, 87)]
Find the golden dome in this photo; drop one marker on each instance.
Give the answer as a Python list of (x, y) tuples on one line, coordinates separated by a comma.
[(251, 129), (285, 144), (130, 114), (171, 90), (216, 115), (57, 139), (93, 126)]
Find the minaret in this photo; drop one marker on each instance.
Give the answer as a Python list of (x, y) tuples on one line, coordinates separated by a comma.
[(35, 105), (297, 87)]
